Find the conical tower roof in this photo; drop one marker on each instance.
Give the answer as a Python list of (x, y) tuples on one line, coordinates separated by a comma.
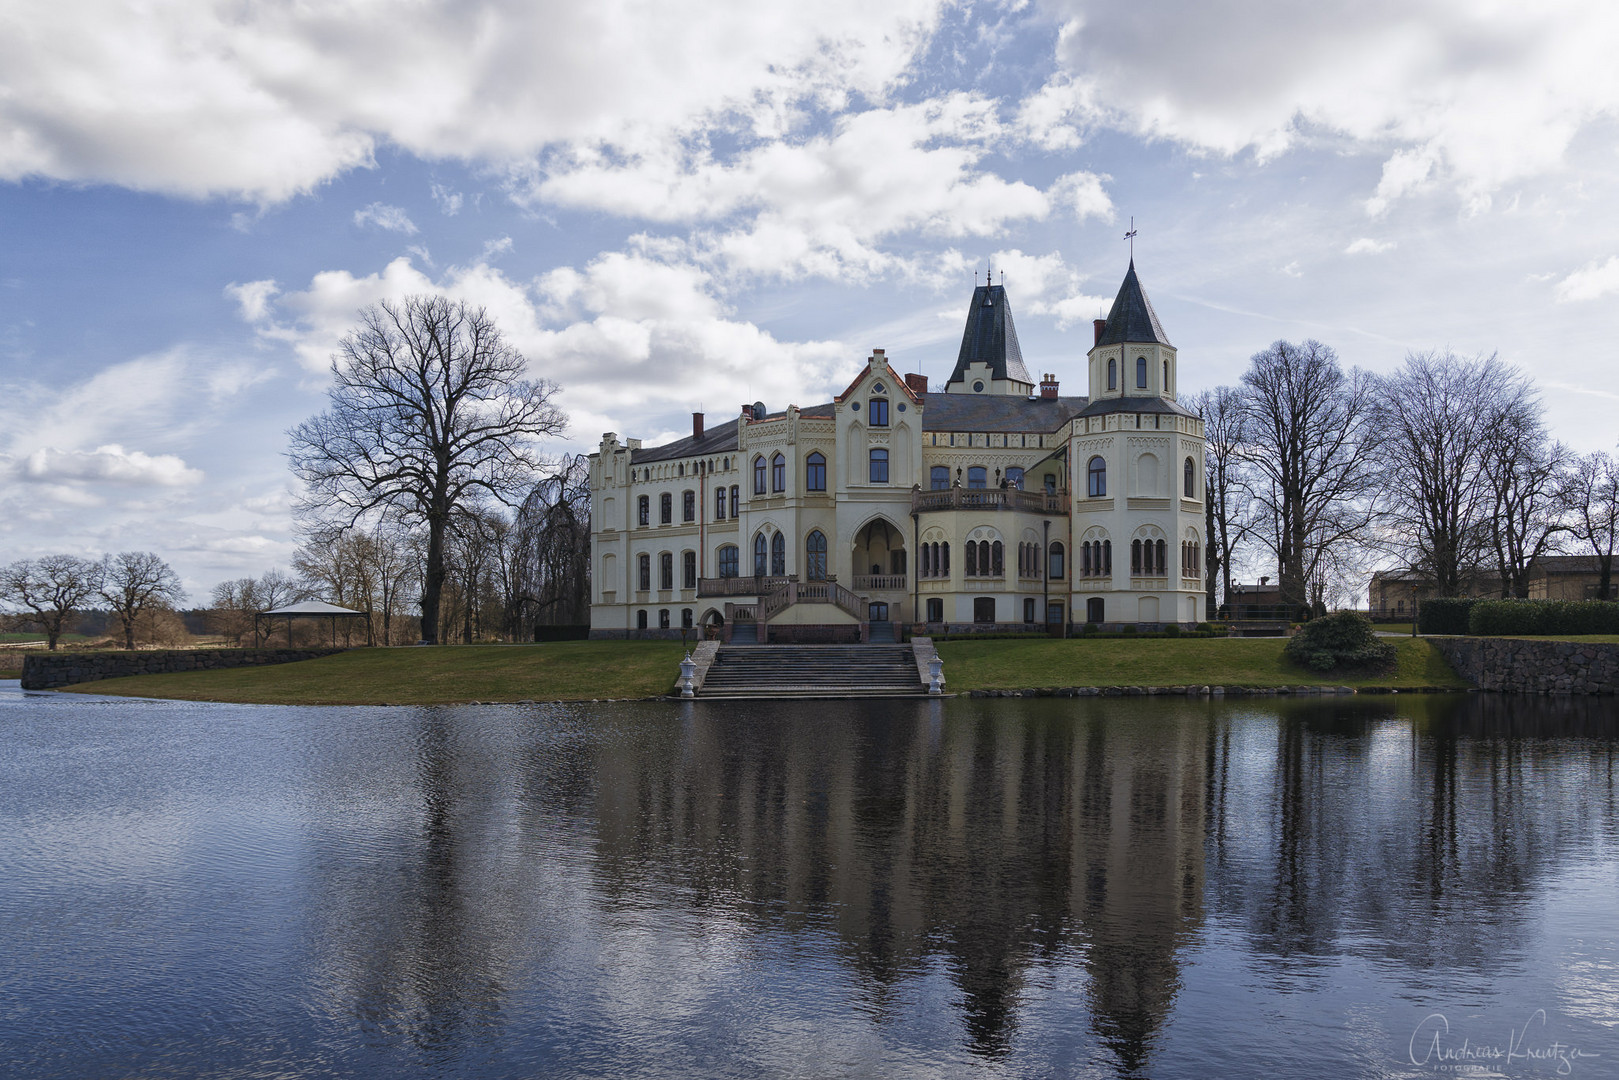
[(1132, 318), (990, 338)]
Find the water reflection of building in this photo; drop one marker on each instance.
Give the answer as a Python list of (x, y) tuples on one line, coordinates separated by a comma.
[(988, 839)]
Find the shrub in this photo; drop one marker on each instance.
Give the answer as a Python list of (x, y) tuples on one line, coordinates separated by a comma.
[(1088, 628), (1445, 614), (1130, 630), (1506, 618), (1172, 629), (1341, 642)]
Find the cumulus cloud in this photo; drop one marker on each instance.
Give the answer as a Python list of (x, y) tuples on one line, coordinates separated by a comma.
[(1367, 246), (382, 216), (449, 202), (185, 97), (1592, 282), (1472, 97), (253, 297), (1046, 285), (110, 463)]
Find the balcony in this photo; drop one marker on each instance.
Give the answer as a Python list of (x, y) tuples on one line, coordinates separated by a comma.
[(880, 582), (960, 498), (738, 586)]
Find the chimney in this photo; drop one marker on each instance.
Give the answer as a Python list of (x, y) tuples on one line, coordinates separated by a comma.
[(917, 383), (1048, 387), (747, 411), (696, 425), (1100, 325)]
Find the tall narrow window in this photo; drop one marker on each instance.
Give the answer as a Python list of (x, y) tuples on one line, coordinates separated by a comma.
[(1135, 556), (644, 573), (728, 561), (1107, 556), (938, 478), (1163, 561), (719, 503), (663, 619), (778, 473), (1057, 555), (1028, 609), (944, 558), (1165, 387), (643, 510), (815, 556), (688, 570), (879, 466), (761, 556), (1084, 559), (1141, 372), (998, 566), (877, 412), (977, 477), (778, 554), (736, 502), (666, 570), (666, 508), (688, 506), (935, 610), (1097, 473), (640, 619), (815, 471), (759, 476), (1112, 373), (1189, 479), (972, 558)]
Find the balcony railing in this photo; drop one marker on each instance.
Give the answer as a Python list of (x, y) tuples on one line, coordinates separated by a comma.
[(738, 586), (880, 582), (960, 498)]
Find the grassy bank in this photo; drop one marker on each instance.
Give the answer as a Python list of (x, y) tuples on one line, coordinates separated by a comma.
[(1014, 665), (564, 670)]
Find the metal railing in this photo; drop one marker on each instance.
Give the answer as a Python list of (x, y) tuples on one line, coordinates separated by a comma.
[(960, 498)]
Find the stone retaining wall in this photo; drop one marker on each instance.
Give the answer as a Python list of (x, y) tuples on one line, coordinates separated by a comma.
[(1517, 666), (50, 671)]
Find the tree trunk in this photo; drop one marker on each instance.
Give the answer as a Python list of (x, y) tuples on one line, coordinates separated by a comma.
[(129, 630), (433, 579)]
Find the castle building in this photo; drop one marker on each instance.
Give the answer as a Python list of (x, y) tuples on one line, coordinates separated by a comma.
[(997, 502)]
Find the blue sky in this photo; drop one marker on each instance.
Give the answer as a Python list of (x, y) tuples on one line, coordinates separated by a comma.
[(687, 205)]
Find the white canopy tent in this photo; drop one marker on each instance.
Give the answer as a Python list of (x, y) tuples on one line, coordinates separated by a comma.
[(309, 609)]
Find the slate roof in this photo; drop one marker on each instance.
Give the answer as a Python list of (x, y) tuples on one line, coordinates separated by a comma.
[(990, 337), (1153, 404), (1131, 318), (997, 412), (716, 440)]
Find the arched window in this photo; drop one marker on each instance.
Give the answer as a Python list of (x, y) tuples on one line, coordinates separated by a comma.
[(972, 558), (778, 473), (1141, 372), (1097, 474), (877, 412), (778, 554), (1085, 559), (666, 570), (1056, 554), (815, 471), (729, 562), (1135, 557), (663, 619), (761, 556), (643, 510), (1112, 373), (759, 475), (1165, 387), (944, 559), (815, 556), (1163, 561), (719, 503), (736, 502), (938, 478), (666, 508), (1189, 478), (688, 506), (644, 572), (879, 466), (998, 564), (688, 570), (1107, 556), (977, 477), (685, 618)]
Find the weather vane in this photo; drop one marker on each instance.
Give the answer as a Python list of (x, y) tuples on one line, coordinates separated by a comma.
[(1131, 236)]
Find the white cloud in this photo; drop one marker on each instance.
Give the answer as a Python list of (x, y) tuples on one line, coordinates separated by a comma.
[(1470, 96), (383, 216), (449, 202), (1597, 280), (493, 248), (1367, 246), (186, 97), (1046, 285), (110, 463), (253, 297), (1292, 269)]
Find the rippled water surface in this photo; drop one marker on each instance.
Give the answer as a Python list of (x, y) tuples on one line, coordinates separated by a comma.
[(1093, 887)]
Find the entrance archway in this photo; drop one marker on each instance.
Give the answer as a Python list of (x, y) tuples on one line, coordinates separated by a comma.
[(879, 551)]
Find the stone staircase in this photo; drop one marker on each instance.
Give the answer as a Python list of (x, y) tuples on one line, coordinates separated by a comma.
[(813, 671)]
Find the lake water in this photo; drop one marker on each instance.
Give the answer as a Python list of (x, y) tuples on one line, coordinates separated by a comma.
[(1369, 887)]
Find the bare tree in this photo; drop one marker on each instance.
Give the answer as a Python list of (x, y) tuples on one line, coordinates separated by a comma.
[(1434, 420), (1306, 427), (235, 603), (50, 590), (429, 411), (552, 537), (1591, 490), (1525, 472), (1224, 503), (133, 582)]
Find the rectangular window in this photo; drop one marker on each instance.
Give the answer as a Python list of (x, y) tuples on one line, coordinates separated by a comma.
[(1028, 609), (878, 412), (935, 610), (815, 472), (688, 570), (778, 473), (1014, 478), (666, 508), (688, 506), (938, 478), (758, 476), (879, 466), (719, 503), (983, 609), (666, 571), (643, 510), (736, 501), (977, 477), (728, 561)]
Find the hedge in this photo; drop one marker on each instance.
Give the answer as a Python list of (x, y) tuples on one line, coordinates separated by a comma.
[(1341, 642), (1506, 618), (1445, 614)]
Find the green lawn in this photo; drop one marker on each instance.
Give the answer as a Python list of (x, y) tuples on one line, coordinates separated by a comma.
[(1392, 628), (1012, 665), (565, 670)]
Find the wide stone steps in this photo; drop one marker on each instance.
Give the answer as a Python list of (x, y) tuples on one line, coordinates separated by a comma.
[(756, 671)]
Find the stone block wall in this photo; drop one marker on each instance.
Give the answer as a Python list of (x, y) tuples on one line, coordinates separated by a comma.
[(51, 671), (1518, 666)]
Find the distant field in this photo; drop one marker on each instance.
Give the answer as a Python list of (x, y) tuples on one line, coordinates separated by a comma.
[(564, 670), (1011, 665)]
